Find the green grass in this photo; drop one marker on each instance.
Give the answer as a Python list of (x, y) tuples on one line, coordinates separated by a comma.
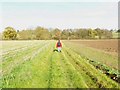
[(38, 66)]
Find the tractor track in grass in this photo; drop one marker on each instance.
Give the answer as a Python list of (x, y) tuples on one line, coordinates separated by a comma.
[(50, 73), (66, 73), (56, 72), (88, 82), (73, 73), (74, 78), (59, 76), (80, 69)]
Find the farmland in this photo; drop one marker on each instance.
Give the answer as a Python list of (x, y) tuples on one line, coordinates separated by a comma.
[(33, 64), (106, 45), (105, 51)]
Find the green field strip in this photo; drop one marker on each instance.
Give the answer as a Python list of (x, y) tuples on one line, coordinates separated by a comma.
[(17, 56), (21, 49), (16, 47), (39, 67), (68, 75), (101, 79), (90, 83), (29, 74), (73, 74), (58, 78), (41, 70), (94, 54), (16, 61), (13, 45)]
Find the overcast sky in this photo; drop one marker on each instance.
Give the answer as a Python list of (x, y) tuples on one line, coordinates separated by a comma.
[(22, 15)]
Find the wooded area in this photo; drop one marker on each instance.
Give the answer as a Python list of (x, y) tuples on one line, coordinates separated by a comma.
[(41, 33)]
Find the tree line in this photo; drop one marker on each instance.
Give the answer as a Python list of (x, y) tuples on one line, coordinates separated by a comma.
[(41, 33)]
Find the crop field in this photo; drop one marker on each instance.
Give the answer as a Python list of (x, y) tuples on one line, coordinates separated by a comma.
[(105, 51), (33, 64)]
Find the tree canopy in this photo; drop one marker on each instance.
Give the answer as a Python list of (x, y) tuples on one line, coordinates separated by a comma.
[(9, 33), (41, 33)]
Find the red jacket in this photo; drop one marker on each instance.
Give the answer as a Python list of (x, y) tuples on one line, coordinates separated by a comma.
[(60, 44)]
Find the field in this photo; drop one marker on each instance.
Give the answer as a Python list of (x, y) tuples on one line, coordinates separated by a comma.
[(106, 45), (105, 51), (33, 64)]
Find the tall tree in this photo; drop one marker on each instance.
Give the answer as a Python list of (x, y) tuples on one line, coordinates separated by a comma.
[(99, 32), (9, 33), (42, 33), (56, 34)]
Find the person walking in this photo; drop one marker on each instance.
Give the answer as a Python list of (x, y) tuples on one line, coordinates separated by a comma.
[(59, 46)]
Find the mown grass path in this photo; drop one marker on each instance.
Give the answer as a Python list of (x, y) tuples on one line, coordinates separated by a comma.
[(39, 67)]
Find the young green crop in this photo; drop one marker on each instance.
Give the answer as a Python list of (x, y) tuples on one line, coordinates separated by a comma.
[(39, 67)]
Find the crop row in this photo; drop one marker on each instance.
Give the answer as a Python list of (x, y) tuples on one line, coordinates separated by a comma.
[(40, 67), (81, 64), (23, 74), (20, 57)]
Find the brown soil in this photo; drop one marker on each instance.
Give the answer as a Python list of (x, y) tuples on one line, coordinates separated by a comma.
[(106, 45)]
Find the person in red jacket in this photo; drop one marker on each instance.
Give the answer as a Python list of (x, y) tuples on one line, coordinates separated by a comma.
[(59, 46)]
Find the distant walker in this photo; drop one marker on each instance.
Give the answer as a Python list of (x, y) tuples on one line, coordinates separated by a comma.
[(59, 46)]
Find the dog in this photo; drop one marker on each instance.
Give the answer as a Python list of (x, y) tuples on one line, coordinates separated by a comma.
[(55, 50)]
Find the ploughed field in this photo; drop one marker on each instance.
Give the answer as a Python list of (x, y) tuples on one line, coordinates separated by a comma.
[(34, 64), (106, 45)]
